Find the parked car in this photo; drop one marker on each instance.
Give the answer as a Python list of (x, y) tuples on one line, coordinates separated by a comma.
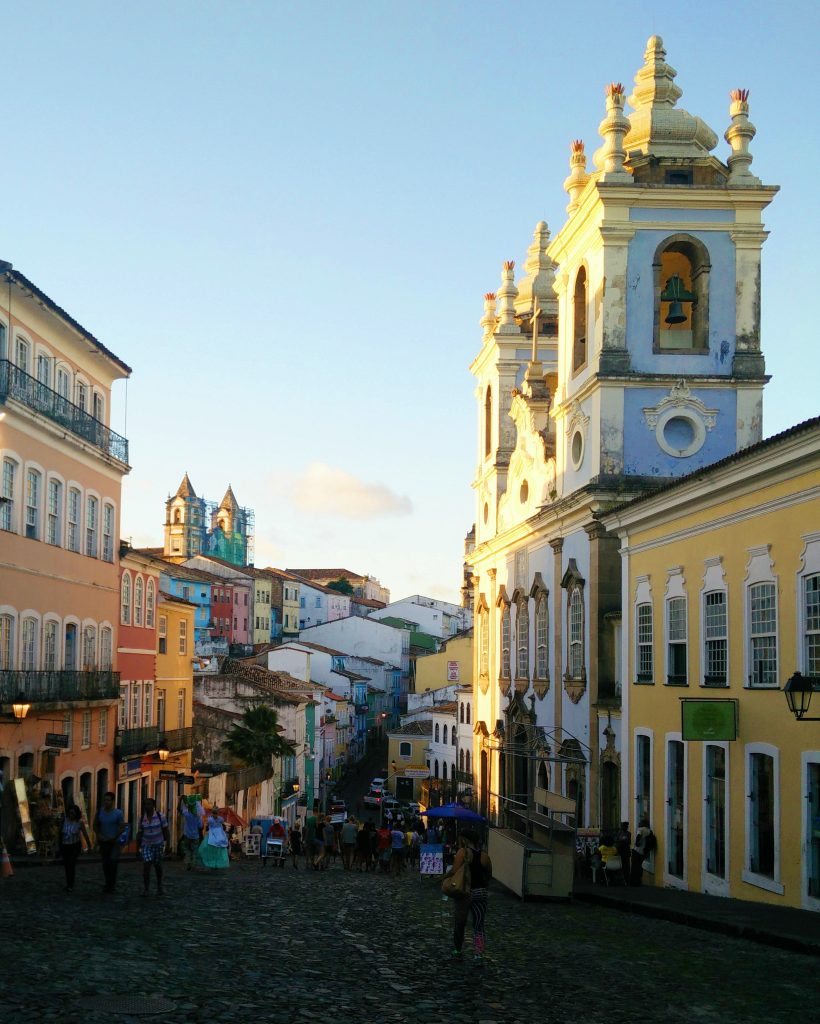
[(373, 798), (411, 808), (378, 783), (337, 812)]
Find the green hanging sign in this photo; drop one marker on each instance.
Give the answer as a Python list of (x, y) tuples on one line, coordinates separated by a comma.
[(710, 719)]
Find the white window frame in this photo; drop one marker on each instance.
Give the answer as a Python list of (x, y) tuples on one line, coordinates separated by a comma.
[(183, 637), (748, 876), (576, 633), (522, 638), (135, 713), (484, 643), (150, 603), (139, 600), (9, 487), (33, 526), (126, 599), (675, 589), (180, 709), (92, 524), (710, 883), (542, 636), (809, 566), (88, 652), (51, 625), (8, 638), (648, 734), (108, 524), (29, 658), (760, 569), (124, 708), (73, 525), (54, 510), (807, 757), (147, 704), (102, 728), (85, 735), (106, 647), (505, 630)]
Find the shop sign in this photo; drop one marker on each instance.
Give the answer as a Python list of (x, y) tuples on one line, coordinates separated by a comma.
[(167, 774), (417, 773), (57, 739), (188, 780), (711, 720), (453, 669)]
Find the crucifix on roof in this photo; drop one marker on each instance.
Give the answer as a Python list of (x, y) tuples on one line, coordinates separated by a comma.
[(536, 326)]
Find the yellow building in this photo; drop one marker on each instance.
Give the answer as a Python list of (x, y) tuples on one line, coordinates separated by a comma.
[(408, 753), (450, 666), (721, 606), (174, 698)]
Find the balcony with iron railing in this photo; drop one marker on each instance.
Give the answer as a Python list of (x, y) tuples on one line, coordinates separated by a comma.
[(148, 738), (22, 387), (58, 686)]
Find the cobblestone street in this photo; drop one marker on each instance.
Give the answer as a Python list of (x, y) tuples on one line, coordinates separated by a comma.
[(281, 945)]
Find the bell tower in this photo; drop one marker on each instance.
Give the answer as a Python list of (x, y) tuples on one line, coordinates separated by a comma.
[(183, 523), (660, 369), (519, 326)]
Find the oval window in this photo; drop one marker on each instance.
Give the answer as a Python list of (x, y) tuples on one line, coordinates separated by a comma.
[(679, 433), (486, 511), (577, 448), (524, 493)]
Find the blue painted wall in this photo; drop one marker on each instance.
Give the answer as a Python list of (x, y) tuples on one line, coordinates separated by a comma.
[(640, 302), (199, 593), (643, 456)]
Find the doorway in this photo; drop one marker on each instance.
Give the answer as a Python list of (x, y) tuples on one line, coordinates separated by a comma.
[(676, 809), (812, 835), (610, 796), (715, 880)]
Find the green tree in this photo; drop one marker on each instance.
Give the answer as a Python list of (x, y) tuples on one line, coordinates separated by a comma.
[(256, 739), (342, 585)]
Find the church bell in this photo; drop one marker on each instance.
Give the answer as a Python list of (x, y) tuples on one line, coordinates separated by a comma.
[(675, 294)]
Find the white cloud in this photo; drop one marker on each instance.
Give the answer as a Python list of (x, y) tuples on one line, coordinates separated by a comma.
[(331, 492)]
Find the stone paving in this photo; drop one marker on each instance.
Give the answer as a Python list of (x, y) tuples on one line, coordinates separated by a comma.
[(282, 945)]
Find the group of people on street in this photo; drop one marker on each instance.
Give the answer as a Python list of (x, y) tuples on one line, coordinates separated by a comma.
[(618, 855)]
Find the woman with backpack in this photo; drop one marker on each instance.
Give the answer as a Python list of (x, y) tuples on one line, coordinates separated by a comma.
[(474, 902)]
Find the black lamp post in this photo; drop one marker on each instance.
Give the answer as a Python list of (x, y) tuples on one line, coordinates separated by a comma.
[(798, 692)]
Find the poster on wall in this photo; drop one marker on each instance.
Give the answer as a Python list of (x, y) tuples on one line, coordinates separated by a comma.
[(253, 845), (432, 859), (452, 671)]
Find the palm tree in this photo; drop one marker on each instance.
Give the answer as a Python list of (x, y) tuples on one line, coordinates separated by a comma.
[(256, 739)]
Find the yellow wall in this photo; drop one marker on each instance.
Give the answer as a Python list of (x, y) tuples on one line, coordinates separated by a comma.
[(418, 758), (431, 670), (781, 515), (174, 670)]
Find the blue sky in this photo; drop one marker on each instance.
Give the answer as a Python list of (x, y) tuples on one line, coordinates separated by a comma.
[(284, 217)]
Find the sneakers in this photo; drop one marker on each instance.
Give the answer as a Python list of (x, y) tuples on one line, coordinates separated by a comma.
[(456, 954)]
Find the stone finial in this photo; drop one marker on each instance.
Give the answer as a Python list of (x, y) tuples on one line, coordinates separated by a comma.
[(507, 295), (655, 81), (613, 130), (739, 134), (578, 176), (490, 318)]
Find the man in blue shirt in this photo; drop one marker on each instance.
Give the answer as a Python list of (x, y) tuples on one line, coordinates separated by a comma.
[(191, 832), (109, 825)]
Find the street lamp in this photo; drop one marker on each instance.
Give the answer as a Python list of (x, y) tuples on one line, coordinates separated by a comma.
[(20, 708), (798, 692), (163, 753)]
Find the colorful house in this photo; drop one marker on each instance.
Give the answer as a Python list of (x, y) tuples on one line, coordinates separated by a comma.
[(721, 606)]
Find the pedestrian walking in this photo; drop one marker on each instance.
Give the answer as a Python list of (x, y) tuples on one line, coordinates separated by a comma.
[(645, 843), (474, 902), (72, 832), (274, 842), (191, 833), (349, 834), (623, 844), (296, 842), (329, 837), (383, 847), (396, 851), (152, 836), (311, 824), (213, 850), (109, 828)]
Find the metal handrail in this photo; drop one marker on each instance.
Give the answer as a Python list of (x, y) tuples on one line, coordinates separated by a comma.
[(40, 686), (21, 386)]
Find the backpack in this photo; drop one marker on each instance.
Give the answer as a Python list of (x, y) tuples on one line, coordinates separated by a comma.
[(649, 844)]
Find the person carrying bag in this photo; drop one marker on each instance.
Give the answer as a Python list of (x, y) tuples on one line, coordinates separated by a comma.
[(466, 883)]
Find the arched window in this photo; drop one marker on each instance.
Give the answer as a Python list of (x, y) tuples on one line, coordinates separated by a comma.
[(468, 714), (453, 736), (7, 493), (461, 713), (177, 516), (149, 604), (29, 635), (125, 594), (541, 638), (6, 642), (437, 733), (444, 770), (543, 777), (484, 649), (579, 321), (89, 648), (139, 592), (108, 533), (522, 636), (576, 634), (681, 278), (488, 421), (461, 760), (505, 641), (23, 354), (445, 735), (34, 501), (106, 648), (91, 526), (468, 761), (435, 769)]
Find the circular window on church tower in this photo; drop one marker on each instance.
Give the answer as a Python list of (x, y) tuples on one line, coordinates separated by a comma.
[(524, 493), (680, 434), (486, 512), (576, 449)]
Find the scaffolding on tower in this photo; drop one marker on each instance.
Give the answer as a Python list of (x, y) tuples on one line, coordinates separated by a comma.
[(229, 536)]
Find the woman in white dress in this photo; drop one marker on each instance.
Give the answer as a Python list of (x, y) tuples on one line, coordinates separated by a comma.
[(213, 850)]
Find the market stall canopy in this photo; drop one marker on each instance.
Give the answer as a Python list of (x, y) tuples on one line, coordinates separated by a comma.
[(231, 817)]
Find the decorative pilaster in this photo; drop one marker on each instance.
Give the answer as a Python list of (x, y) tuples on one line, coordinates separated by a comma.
[(578, 177), (507, 295), (613, 130), (490, 319), (739, 134)]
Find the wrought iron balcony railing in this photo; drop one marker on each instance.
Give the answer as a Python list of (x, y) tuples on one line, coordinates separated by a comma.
[(40, 687), (466, 778), (149, 738), (21, 386)]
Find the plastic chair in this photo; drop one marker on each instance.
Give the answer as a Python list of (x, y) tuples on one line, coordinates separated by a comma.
[(612, 867)]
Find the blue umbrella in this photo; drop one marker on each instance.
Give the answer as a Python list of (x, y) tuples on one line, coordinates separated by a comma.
[(453, 811)]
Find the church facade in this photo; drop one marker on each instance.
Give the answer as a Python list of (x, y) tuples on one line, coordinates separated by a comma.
[(626, 355)]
